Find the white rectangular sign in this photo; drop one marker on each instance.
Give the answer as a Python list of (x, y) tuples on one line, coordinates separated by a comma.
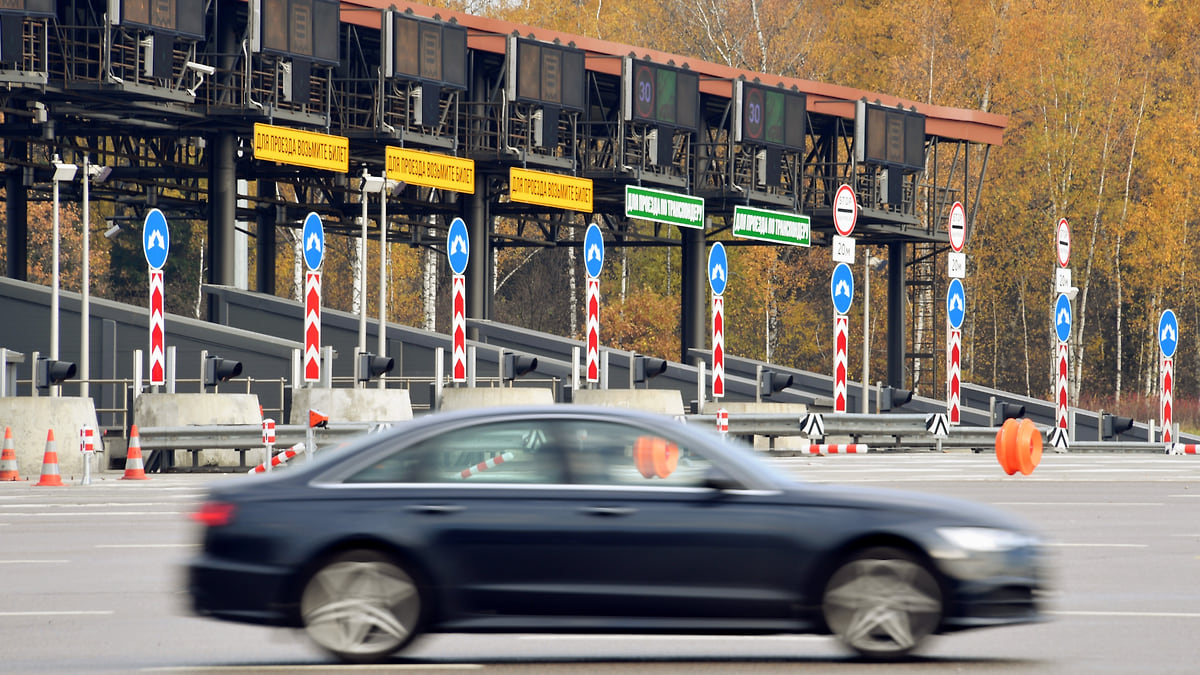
[(843, 249), (956, 265), (1062, 280)]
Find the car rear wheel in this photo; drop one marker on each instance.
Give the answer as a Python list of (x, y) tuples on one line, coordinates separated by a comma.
[(360, 606), (882, 603)]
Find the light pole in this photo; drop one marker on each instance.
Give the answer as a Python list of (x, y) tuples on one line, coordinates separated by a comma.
[(386, 187), (870, 264), (98, 174), (61, 172), (370, 184)]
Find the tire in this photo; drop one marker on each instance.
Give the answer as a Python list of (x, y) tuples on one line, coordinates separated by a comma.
[(361, 607), (882, 603)]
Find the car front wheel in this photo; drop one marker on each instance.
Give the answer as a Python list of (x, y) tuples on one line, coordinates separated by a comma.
[(882, 603), (361, 607)]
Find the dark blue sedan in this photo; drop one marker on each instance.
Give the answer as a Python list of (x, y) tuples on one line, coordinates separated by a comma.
[(574, 519)]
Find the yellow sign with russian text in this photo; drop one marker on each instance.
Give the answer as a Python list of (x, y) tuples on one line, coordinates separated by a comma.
[(301, 148), (430, 169), (550, 189)]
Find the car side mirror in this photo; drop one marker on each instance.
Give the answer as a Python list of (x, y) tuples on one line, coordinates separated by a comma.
[(720, 481)]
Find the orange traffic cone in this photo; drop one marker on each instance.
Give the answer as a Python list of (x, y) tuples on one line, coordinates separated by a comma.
[(8, 458), (134, 469), (50, 474)]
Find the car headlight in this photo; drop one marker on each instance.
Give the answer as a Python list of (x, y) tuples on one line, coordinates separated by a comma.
[(985, 539)]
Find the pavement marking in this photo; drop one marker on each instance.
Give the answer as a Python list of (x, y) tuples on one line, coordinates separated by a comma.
[(388, 667), (33, 562), (82, 612), (677, 638), (146, 545), (79, 514), (1080, 545), (1079, 503), (90, 505), (1141, 615)]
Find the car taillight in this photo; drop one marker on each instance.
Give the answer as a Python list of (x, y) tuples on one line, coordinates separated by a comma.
[(214, 514)]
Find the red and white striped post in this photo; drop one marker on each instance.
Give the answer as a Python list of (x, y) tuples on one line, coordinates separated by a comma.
[(459, 329), (268, 439), (158, 373), (312, 326), (1167, 400), (1060, 386), (718, 342), (593, 329), (723, 421), (841, 330), (953, 408)]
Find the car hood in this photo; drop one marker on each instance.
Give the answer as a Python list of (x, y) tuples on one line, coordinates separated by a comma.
[(949, 510)]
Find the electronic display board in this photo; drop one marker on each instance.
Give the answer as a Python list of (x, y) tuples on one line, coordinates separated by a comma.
[(769, 115), (661, 95), (546, 74), (427, 51), (890, 136), (184, 18), (31, 8), (306, 29)]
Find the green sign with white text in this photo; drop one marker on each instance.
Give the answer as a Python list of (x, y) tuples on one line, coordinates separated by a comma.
[(664, 207), (776, 226)]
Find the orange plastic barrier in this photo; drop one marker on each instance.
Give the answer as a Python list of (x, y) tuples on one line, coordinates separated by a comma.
[(655, 456), (1019, 446)]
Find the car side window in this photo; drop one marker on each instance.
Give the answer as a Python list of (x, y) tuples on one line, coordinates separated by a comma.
[(604, 453), (506, 452)]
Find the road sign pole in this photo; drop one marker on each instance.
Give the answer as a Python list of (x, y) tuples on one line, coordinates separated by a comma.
[(157, 329), (459, 329), (718, 342), (1060, 386), (312, 327), (954, 375), (1167, 400), (841, 330), (593, 330)]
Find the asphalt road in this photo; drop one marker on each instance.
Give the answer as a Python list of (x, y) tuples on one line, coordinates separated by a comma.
[(89, 583)]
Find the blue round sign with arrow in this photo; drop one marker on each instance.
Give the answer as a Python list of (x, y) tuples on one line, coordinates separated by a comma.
[(593, 250), (1062, 317), (718, 269), (458, 246), (1168, 333), (841, 287), (313, 237), (956, 304), (156, 239)]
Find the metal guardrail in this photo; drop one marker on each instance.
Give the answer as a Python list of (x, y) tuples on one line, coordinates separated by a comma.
[(244, 436)]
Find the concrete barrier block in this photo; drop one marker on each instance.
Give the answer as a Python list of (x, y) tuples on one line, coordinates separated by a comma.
[(664, 401), (462, 398), (352, 405), (31, 418), (172, 410)]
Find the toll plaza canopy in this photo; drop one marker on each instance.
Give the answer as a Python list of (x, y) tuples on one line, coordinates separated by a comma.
[(259, 112)]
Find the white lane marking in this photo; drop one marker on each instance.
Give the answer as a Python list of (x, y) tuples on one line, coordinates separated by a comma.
[(145, 545), (1082, 545), (390, 667), (100, 612), (33, 562), (45, 505), (80, 514), (675, 638), (1079, 503), (1140, 615)]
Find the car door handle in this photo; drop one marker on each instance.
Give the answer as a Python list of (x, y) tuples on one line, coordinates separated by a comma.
[(609, 510), (435, 508)]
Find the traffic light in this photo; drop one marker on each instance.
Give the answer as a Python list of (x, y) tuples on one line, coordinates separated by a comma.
[(1006, 411), (893, 397), (50, 373), (770, 382), (371, 366), (1111, 426), (218, 370), (515, 365), (646, 367)]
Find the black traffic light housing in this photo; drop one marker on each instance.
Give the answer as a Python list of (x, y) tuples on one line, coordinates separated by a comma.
[(770, 382), (646, 367), (371, 366), (218, 370), (51, 373), (513, 365), (893, 397), (1111, 426), (1006, 411)]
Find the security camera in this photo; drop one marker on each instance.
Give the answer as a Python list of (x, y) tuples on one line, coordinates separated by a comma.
[(201, 68), (112, 231)]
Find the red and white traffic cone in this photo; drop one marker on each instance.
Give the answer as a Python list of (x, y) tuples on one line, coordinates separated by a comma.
[(8, 458), (50, 475), (134, 469)]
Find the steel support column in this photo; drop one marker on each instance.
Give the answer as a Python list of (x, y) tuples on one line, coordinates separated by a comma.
[(479, 264), (222, 210), (264, 245), (896, 311), (16, 210), (693, 287)]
